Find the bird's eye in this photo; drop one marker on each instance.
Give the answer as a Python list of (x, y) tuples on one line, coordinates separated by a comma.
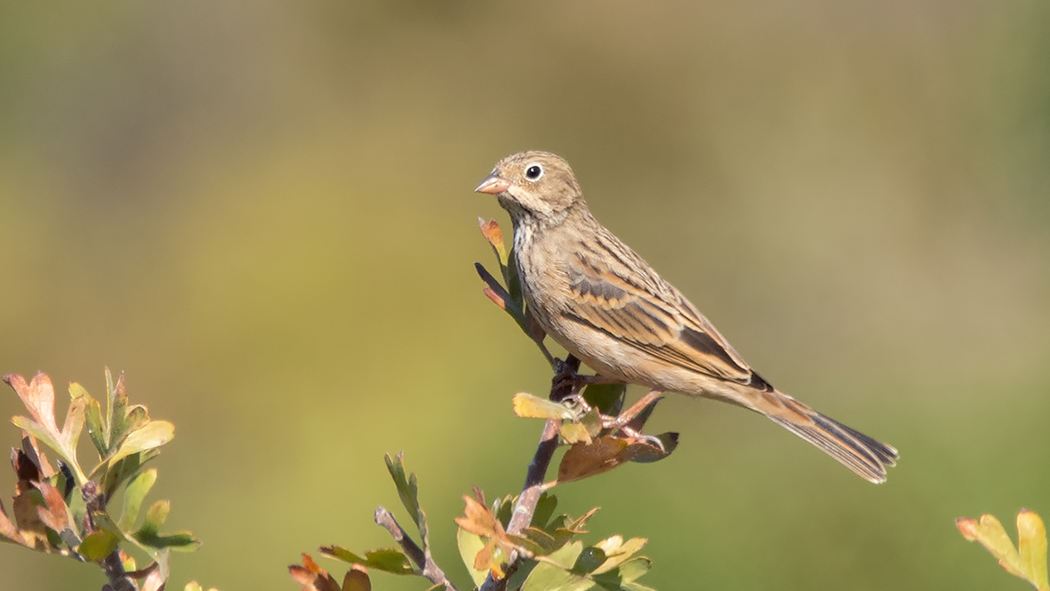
[(534, 172)]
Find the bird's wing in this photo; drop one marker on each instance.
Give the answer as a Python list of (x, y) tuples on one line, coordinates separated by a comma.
[(615, 291)]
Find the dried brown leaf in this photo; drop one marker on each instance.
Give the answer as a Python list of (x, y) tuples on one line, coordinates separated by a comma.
[(585, 460)]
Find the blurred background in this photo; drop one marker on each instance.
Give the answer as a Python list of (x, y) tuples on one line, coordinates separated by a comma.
[(262, 213)]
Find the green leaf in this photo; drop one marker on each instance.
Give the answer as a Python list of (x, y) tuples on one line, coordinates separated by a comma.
[(116, 409), (510, 275), (469, 546), (387, 560), (93, 418), (98, 545), (589, 560), (148, 535), (634, 568), (180, 542), (991, 534), (152, 435), (552, 573), (503, 509), (607, 398), (545, 508), (133, 497), (408, 491), (623, 578), (37, 430), (121, 471), (547, 542), (1031, 546), (156, 516), (618, 551)]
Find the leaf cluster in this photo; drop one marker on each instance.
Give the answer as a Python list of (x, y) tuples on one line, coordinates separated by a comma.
[(551, 555), (67, 509)]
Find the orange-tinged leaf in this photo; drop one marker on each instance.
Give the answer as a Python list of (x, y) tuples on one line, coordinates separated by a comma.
[(492, 232), (495, 297), (1031, 546), (478, 520), (312, 577)]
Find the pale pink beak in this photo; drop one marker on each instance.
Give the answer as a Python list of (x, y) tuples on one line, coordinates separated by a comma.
[(492, 185)]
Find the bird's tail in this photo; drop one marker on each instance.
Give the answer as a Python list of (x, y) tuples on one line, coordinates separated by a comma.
[(865, 455)]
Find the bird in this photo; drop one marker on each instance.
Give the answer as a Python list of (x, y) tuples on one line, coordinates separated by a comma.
[(606, 306)]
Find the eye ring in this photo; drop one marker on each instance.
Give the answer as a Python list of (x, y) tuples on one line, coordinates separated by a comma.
[(533, 172)]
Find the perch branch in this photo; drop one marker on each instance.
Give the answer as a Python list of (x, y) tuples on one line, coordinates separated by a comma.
[(525, 507)]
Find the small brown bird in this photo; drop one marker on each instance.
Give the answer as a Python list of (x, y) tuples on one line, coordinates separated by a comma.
[(593, 295)]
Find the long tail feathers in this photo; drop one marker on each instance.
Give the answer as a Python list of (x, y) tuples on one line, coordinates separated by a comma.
[(866, 456)]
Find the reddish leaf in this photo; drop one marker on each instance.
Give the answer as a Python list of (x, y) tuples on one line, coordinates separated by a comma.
[(38, 396), (54, 514), (495, 297)]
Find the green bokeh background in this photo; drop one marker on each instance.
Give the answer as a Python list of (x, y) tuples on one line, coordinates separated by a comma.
[(262, 212)]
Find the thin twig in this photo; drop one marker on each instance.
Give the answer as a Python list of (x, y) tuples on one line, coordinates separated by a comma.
[(112, 565), (525, 507), (425, 563)]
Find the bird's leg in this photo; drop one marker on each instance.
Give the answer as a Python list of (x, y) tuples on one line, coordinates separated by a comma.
[(563, 384), (623, 421)]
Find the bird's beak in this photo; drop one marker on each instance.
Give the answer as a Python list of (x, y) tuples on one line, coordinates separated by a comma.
[(492, 185)]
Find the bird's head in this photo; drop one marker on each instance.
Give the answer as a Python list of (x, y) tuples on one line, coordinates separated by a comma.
[(533, 186)]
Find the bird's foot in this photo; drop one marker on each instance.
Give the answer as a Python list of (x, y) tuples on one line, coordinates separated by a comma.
[(567, 382)]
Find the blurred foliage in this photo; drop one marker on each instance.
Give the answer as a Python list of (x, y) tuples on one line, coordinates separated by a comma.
[(67, 510), (265, 209), (1027, 560)]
